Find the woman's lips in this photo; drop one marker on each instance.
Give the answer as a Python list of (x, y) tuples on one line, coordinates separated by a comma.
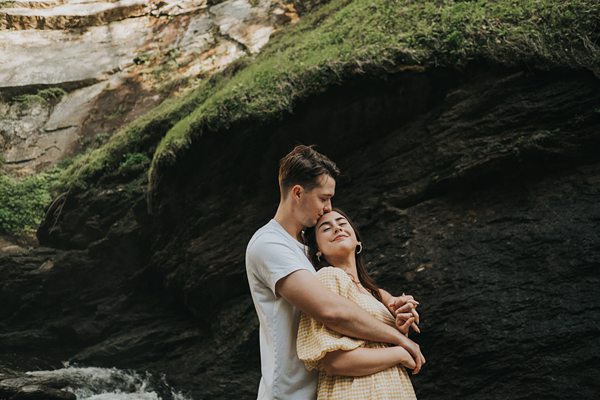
[(335, 239)]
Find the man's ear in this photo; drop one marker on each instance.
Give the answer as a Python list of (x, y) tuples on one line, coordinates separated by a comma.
[(297, 191)]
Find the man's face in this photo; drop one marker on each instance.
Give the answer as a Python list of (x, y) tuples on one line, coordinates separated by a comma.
[(316, 202)]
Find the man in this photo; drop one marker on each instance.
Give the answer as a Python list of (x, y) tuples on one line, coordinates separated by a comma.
[(282, 282)]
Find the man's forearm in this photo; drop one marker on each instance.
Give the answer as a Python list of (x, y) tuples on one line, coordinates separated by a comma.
[(353, 321)]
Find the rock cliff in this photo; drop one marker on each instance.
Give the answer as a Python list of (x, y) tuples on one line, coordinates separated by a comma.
[(475, 190), (475, 187)]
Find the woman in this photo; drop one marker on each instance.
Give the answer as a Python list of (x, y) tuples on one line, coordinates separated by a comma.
[(349, 368)]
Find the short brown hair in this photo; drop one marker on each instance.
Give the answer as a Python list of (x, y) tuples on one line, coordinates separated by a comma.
[(303, 166)]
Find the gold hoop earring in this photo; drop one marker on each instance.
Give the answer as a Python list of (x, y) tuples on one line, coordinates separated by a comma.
[(359, 248)]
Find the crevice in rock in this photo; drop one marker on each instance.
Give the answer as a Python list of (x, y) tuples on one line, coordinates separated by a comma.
[(60, 128), (8, 93)]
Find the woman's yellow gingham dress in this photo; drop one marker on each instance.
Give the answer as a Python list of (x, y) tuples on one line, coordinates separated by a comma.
[(315, 340)]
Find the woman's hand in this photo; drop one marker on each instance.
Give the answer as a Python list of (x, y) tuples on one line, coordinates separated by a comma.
[(404, 308), (404, 357), (404, 325)]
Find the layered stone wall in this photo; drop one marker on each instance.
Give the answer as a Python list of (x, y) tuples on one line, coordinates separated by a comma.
[(115, 61)]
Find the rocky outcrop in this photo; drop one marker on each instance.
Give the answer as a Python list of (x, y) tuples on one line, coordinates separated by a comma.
[(19, 386), (69, 16), (115, 60), (474, 190)]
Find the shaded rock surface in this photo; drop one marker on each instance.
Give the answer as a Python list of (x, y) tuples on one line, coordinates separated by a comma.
[(475, 190)]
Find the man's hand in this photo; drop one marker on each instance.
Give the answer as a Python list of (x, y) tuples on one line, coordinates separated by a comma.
[(415, 351), (404, 308)]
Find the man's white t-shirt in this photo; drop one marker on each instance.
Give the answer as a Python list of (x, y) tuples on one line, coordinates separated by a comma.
[(273, 254)]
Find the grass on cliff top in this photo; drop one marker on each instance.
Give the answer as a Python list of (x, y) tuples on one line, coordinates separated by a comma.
[(346, 38)]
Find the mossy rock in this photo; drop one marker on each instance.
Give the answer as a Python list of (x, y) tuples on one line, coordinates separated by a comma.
[(341, 40)]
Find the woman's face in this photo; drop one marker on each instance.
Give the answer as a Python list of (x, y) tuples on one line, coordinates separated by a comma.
[(335, 237)]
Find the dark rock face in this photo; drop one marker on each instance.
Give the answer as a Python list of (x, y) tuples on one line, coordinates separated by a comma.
[(476, 191)]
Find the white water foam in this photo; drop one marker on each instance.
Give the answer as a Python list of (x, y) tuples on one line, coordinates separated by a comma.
[(93, 383)]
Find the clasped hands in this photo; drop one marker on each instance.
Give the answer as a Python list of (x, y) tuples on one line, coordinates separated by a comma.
[(405, 309)]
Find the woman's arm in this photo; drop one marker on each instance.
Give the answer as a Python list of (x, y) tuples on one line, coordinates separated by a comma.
[(365, 361), (386, 297)]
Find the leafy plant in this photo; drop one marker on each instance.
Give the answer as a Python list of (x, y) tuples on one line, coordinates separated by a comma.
[(134, 161), (22, 202), (48, 95)]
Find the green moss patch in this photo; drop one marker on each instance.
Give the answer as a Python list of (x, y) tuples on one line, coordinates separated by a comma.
[(44, 95), (348, 38), (141, 136), (343, 39)]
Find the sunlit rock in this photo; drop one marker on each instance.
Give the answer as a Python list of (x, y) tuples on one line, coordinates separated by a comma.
[(126, 51)]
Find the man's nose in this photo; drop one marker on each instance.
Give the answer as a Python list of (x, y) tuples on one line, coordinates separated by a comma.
[(328, 206)]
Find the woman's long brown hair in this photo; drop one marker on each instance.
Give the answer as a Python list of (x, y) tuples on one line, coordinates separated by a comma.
[(310, 239)]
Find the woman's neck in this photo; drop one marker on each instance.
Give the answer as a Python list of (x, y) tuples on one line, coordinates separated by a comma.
[(347, 263)]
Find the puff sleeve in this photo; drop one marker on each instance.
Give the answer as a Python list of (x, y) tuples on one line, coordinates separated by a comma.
[(314, 339)]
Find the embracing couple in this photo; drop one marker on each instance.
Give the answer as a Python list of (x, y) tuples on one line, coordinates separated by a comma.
[(326, 330)]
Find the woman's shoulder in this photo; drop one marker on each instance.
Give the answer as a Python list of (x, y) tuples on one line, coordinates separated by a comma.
[(333, 274), (333, 271)]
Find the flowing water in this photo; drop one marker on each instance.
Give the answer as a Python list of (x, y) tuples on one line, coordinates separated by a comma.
[(92, 383)]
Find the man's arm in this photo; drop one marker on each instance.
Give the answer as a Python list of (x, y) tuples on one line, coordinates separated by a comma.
[(302, 289)]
